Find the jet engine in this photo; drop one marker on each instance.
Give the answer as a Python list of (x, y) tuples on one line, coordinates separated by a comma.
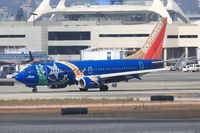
[(89, 82)]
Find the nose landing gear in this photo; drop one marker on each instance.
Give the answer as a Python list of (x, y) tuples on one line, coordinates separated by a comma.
[(34, 90), (104, 88)]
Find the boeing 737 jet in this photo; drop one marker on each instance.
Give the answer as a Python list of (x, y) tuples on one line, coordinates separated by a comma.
[(97, 74)]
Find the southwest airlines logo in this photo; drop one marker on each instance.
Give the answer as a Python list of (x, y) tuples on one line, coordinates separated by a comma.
[(152, 37)]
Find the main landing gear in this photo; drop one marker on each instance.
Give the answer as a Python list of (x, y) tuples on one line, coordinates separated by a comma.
[(83, 89), (104, 88), (34, 90)]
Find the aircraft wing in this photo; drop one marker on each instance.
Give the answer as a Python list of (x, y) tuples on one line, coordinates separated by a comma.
[(141, 72), (175, 60)]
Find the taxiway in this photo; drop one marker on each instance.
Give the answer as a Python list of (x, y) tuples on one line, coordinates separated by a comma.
[(179, 84)]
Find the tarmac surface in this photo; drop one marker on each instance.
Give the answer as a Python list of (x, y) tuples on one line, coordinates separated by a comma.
[(181, 85), (178, 84), (62, 124)]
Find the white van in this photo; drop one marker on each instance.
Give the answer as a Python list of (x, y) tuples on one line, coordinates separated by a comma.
[(194, 67), (185, 68)]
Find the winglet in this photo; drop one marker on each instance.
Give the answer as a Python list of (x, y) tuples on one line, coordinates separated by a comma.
[(152, 49)]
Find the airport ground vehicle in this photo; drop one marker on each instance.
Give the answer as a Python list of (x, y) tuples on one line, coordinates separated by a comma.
[(194, 67), (185, 68)]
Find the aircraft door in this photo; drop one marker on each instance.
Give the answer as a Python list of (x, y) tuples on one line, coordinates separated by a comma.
[(90, 70), (141, 65), (46, 72)]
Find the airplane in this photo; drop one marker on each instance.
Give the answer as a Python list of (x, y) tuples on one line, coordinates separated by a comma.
[(99, 73), (14, 62), (179, 62), (31, 60), (22, 64)]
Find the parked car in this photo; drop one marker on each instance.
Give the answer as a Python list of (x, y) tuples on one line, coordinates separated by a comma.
[(194, 67), (185, 68)]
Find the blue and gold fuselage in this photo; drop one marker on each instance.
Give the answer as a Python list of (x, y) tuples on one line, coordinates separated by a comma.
[(64, 72)]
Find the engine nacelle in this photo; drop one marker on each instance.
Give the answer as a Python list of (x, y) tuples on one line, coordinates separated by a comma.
[(87, 82)]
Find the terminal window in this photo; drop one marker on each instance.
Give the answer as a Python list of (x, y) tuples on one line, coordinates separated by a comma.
[(61, 36), (188, 36), (66, 50), (172, 36), (123, 35), (12, 36)]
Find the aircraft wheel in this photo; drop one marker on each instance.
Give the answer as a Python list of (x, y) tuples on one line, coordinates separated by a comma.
[(34, 90), (83, 89), (62, 86), (104, 88), (51, 86)]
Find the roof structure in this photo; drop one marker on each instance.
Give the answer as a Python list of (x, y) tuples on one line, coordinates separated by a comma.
[(157, 7), (173, 7)]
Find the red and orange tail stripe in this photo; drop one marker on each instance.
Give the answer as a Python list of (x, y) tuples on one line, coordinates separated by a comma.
[(152, 48)]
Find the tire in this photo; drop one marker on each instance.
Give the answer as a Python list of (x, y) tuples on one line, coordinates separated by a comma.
[(104, 88), (83, 89), (57, 86), (62, 86), (52, 87), (34, 90)]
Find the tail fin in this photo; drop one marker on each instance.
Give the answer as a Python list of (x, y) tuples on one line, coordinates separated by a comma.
[(30, 56), (152, 49)]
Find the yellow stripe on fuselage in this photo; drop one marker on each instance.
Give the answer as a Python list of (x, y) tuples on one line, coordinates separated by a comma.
[(79, 74), (74, 68), (95, 80)]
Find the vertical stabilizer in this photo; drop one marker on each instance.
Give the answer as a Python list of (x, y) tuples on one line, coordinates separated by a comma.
[(152, 48), (30, 56)]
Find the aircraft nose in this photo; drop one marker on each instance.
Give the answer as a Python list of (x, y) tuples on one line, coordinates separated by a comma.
[(19, 77)]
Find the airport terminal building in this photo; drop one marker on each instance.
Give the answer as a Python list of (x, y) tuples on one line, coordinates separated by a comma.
[(122, 25)]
